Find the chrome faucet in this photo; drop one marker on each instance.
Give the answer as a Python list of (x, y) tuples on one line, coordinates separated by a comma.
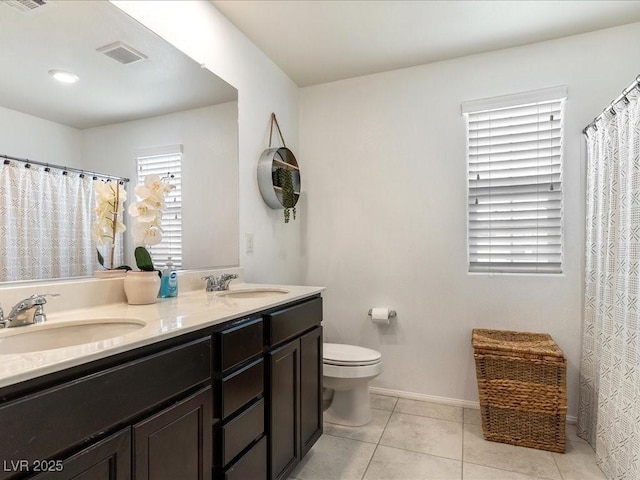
[(26, 312), (217, 283)]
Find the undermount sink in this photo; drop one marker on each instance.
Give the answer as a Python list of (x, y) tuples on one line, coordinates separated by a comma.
[(48, 336), (253, 292)]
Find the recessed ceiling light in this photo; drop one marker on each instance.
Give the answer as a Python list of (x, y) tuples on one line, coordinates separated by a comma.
[(64, 77)]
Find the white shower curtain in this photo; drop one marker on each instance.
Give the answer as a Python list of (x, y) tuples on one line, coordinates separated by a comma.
[(45, 224), (609, 413)]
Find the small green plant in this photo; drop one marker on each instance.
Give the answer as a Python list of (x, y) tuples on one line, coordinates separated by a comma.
[(285, 178), (144, 261), (101, 262)]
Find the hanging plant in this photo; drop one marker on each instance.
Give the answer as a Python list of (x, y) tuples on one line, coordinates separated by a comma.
[(289, 198)]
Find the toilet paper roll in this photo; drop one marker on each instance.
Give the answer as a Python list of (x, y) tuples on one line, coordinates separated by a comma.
[(380, 316)]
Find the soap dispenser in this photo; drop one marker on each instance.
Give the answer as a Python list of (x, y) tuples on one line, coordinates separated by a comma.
[(169, 283)]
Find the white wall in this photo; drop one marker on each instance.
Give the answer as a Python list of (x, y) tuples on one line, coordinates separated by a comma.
[(209, 174), (26, 136), (385, 176), (202, 32)]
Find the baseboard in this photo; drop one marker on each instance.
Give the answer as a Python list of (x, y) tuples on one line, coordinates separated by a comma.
[(454, 402), (425, 398)]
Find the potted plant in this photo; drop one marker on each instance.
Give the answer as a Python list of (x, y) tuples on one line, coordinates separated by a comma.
[(110, 198), (142, 287)]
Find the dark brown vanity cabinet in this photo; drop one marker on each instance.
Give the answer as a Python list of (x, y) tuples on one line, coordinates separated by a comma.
[(175, 443), (61, 426), (236, 401), (108, 459), (239, 406), (294, 384)]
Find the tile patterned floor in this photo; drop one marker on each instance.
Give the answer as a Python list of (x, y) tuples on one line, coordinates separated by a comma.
[(413, 440)]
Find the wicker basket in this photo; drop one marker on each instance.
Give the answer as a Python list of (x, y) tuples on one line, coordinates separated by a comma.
[(522, 388)]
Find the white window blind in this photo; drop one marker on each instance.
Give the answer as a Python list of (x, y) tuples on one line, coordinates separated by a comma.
[(167, 163), (515, 187)]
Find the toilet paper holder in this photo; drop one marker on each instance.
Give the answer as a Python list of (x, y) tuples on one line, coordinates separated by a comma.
[(392, 313)]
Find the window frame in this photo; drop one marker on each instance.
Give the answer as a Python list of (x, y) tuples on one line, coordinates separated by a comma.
[(519, 100)]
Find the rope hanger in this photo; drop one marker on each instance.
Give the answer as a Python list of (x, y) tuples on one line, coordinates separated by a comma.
[(275, 120)]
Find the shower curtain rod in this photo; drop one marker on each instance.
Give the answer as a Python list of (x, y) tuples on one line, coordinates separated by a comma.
[(65, 170), (611, 106)]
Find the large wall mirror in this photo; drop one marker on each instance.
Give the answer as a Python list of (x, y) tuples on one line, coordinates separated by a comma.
[(116, 110)]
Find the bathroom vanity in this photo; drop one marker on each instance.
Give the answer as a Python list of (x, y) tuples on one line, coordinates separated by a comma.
[(238, 396)]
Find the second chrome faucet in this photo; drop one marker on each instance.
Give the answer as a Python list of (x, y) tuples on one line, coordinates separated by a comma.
[(218, 283)]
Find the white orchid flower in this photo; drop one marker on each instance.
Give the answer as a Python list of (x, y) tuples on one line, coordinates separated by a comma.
[(153, 236), (148, 196), (110, 198), (120, 226), (106, 192), (147, 211), (147, 234), (157, 185), (144, 211), (97, 234)]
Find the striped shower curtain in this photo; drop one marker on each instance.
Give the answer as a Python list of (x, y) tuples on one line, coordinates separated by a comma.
[(609, 413)]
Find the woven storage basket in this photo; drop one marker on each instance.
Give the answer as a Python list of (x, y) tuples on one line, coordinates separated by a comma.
[(522, 388)]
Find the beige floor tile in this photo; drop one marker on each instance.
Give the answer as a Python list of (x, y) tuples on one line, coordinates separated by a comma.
[(535, 463), (578, 462), (472, 416), (428, 409), (383, 402), (471, 471), (334, 458), (425, 435), (391, 463), (370, 432)]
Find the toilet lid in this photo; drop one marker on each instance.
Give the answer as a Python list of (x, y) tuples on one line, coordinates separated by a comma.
[(349, 355)]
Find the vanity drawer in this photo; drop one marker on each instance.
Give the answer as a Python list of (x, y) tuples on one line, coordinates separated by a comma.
[(241, 431), (292, 321), (240, 388), (252, 464), (236, 344), (84, 407)]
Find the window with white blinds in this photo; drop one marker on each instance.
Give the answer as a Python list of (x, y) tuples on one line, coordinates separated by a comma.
[(167, 163), (515, 184)]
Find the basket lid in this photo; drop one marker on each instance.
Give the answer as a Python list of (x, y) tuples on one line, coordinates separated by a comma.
[(515, 342)]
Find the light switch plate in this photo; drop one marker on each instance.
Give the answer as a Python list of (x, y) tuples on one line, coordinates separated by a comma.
[(248, 240)]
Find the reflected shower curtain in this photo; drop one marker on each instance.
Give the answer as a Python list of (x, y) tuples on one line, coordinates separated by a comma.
[(45, 224), (609, 413)]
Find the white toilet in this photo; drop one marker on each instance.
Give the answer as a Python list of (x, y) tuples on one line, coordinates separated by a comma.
[(347, 369)]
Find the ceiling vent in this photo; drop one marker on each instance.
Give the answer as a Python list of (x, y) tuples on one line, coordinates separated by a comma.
[(28, 6), (122, 52)]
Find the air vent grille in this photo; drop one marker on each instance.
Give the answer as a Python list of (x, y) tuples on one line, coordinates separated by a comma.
[(27, 6), (122, 53)]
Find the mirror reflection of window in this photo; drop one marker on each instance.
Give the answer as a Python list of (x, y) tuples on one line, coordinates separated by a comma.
[(166, 162)]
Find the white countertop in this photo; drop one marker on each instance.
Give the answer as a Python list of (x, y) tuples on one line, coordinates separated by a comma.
[(167, 318)]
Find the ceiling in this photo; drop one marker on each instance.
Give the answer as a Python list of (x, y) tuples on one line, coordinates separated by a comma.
[(65, 35), (322, 41)]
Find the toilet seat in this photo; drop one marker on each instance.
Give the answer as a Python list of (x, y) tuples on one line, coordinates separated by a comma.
[(349, 355)]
